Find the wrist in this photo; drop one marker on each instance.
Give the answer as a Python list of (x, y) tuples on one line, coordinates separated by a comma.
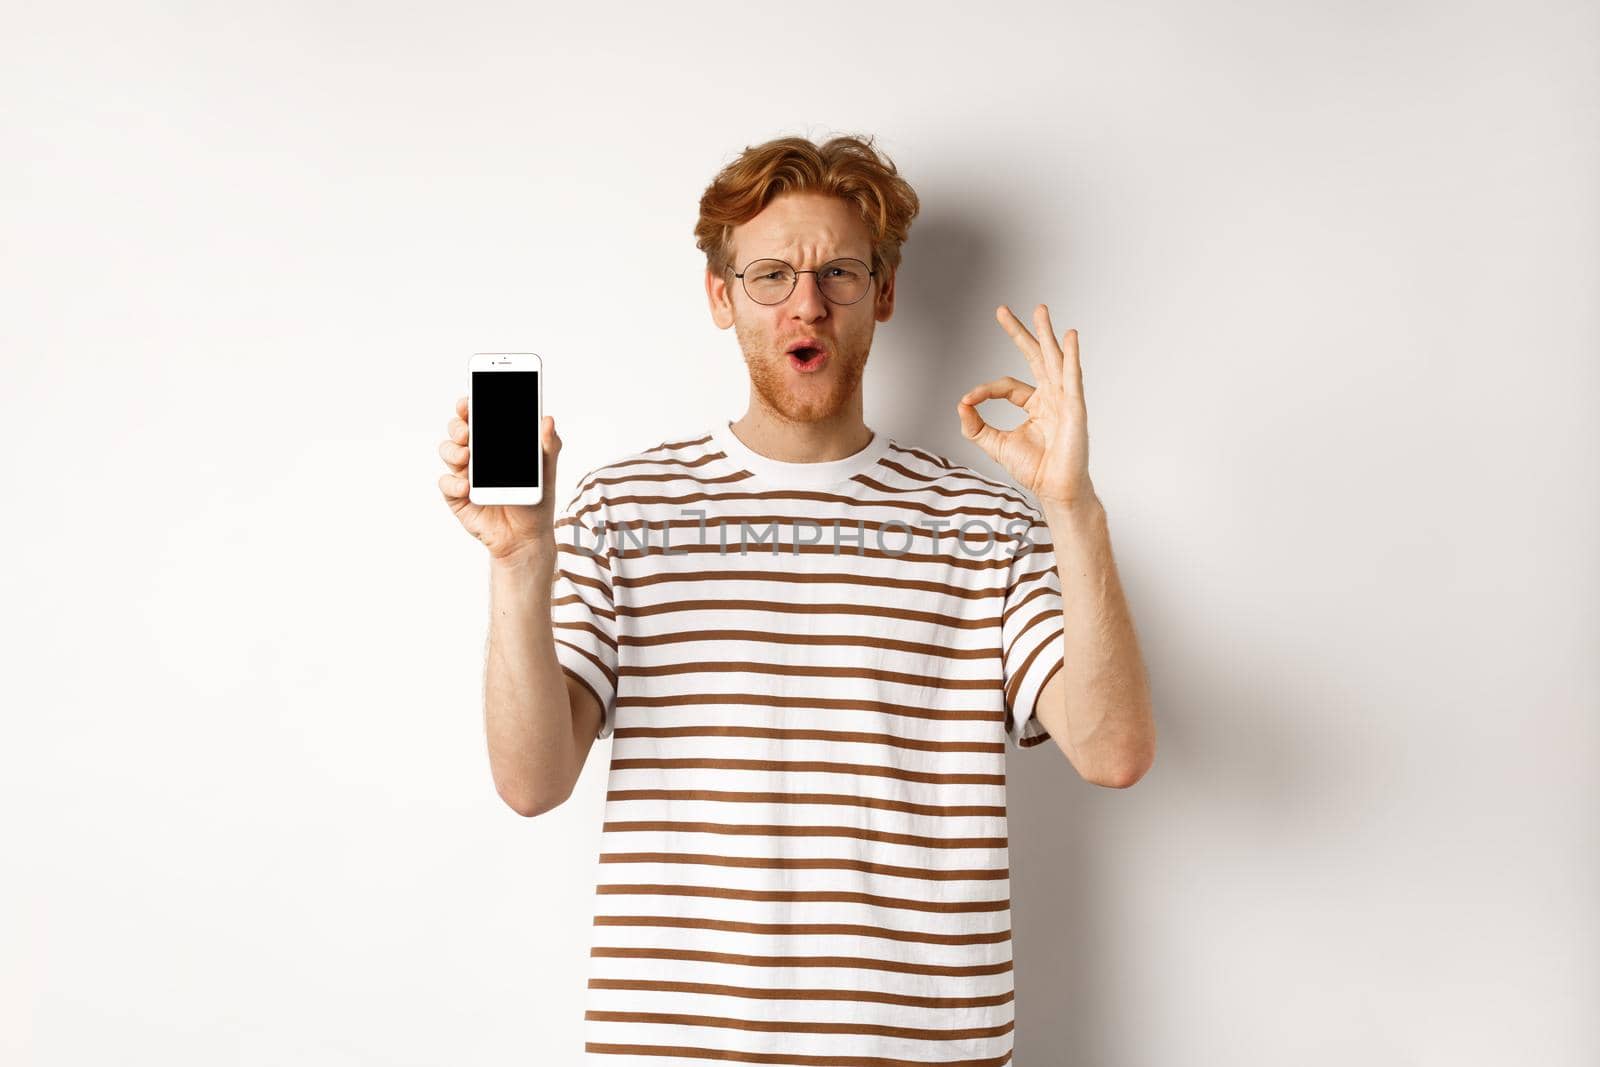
[(532, 560), (1081, 512)]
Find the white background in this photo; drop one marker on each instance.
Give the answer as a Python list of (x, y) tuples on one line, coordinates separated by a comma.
[(1334, 268)]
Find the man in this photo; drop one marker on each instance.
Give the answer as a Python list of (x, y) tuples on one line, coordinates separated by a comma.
[(810, 643)]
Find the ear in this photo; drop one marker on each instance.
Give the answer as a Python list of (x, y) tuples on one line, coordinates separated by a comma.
[(884, 305), (719, 298)]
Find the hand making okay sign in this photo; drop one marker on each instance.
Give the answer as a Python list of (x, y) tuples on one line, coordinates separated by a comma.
[(1048, 452)]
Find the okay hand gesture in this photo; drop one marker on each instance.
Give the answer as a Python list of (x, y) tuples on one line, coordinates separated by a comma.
[(1048, 452)]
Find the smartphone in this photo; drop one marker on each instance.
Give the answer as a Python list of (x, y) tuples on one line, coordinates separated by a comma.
[(505, 408)]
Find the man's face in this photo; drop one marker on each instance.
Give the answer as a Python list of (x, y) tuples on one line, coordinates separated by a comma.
[(805, 230)]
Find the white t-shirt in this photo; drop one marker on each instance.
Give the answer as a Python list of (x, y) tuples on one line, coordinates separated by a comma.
[(810, 687)]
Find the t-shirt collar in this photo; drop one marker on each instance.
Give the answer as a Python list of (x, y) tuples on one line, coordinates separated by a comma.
[(779, 472)]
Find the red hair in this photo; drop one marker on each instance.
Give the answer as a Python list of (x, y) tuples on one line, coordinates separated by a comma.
[(847, 167)]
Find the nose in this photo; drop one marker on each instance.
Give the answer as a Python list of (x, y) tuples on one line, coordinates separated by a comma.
[(807, 302)]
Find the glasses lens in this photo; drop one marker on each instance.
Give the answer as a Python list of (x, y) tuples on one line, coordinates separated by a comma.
[(844, 281), (768, 281)]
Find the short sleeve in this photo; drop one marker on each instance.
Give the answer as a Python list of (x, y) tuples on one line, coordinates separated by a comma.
[(582, 608), (1032, 648)]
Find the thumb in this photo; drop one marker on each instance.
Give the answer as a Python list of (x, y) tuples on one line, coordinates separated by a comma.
[(550, 446)]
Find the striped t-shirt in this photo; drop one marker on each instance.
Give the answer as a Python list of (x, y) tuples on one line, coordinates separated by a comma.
[(810, 686)]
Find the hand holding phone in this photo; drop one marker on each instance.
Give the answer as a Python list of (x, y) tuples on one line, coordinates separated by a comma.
[(501, 453), (506, 409)]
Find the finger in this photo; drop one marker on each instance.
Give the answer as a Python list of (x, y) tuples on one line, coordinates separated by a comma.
[(453, 486), (1073, 365), (454, 454), (461, 407), (1008, 387), (1051, 351), (457, 429), (980, 433), (1025, 341)]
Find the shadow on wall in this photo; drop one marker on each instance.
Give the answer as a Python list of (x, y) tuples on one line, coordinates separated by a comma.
[(942, 340)]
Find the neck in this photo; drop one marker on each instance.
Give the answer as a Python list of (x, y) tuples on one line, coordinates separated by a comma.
[(791, 441)]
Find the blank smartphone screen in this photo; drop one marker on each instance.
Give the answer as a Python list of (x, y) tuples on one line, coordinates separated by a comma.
[(505, 429)]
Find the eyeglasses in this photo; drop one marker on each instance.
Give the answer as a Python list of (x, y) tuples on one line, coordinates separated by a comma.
[(770, 281)]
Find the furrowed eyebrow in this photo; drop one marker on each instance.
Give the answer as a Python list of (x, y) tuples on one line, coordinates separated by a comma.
[(829, 258)]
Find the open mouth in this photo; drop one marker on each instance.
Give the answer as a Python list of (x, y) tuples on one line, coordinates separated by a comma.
[(807, 355)]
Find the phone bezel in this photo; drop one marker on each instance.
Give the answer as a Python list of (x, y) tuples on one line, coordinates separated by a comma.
[(513, 363)]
